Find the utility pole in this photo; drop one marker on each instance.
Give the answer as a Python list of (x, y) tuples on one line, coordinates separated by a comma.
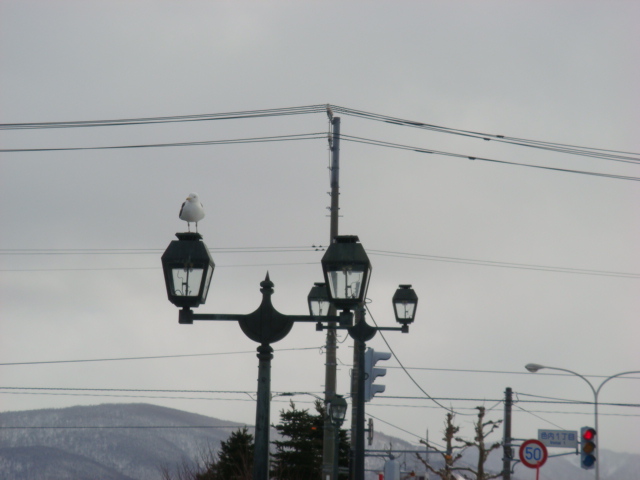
[(507, 455), (328, 448)]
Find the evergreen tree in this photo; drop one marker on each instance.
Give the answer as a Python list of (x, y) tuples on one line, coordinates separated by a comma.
[(299, 455), (235, 459)]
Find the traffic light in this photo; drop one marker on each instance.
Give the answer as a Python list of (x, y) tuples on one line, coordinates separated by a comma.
[(587, 448), (371, 357)]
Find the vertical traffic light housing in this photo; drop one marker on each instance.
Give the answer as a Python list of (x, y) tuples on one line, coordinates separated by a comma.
[(587, 448), (371, 357)]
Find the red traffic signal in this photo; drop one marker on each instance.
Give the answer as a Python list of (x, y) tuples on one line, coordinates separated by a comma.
[(588, 448)]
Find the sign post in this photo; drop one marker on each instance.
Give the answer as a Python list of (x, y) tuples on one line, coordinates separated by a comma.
[(533, 454)]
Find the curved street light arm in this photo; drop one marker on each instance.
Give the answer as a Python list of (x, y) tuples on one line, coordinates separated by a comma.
[(614, 376), (595, 393), (533, 367)]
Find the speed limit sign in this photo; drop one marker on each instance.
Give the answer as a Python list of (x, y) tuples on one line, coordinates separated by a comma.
[(533, 453)]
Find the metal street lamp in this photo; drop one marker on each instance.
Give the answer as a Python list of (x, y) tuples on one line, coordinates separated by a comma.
[(534, 367), (318, 300), (405, 302), (188, 268), (347, 271), (337, 411)]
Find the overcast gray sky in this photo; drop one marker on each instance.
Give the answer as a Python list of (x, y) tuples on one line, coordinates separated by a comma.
[(563, 72)]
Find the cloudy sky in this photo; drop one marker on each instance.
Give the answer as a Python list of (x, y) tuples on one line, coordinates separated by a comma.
[(83, 230)]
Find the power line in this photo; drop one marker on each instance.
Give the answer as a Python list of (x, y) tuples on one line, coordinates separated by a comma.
[(250, 393), (249, 398), (378, 143), (273, 112), (480, 399), (319, 136), (279, 138), (289, 264), (151, 251), (50, 362), (538, 417), (299, 249), (607, 154), (601, 153), (394, 426), (508, 372), (413, 380), (492, 263)]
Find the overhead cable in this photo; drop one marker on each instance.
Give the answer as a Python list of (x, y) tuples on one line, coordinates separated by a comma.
[(602, 153), (491, 263), (155, 357), (413, 380), (277, 138), (272, 112), (378, 143)]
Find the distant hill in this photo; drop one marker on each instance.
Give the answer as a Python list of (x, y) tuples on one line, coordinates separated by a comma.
[(148, 442), (110, 452)]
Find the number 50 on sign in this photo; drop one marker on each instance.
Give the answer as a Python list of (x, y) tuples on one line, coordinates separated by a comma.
[(533, 454)]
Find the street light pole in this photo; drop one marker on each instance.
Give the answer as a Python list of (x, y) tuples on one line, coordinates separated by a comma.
[(534, 367), (347, 271), (188, 268), (361, 333), (266, 326)]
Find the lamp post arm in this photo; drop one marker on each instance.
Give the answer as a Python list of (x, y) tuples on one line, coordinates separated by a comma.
[(225, 317), (595, 393), (237, 317), (614, 376), (403, 329), (187, 316)]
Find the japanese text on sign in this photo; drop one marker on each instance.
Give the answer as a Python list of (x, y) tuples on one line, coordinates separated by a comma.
[(558, 438)]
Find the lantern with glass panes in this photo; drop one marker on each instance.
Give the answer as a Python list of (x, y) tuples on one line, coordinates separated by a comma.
[(347, 271), (188, 268), (405, 302)]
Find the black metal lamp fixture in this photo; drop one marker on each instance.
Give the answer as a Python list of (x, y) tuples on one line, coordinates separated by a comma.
[(347, 270), (318, 300), (188, 268), (337, 410), (405, 302)]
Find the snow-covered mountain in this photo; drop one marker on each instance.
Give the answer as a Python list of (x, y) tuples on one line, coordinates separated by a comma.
[(66, 451), (109, 452)]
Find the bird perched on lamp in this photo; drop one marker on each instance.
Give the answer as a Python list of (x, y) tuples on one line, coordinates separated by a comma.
[(192, 210)]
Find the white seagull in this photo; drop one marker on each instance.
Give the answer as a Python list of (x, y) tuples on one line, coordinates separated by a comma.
[(192, 210)]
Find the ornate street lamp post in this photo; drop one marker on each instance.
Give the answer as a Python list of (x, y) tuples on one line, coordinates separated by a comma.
[(347, 271), (188, 268)]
